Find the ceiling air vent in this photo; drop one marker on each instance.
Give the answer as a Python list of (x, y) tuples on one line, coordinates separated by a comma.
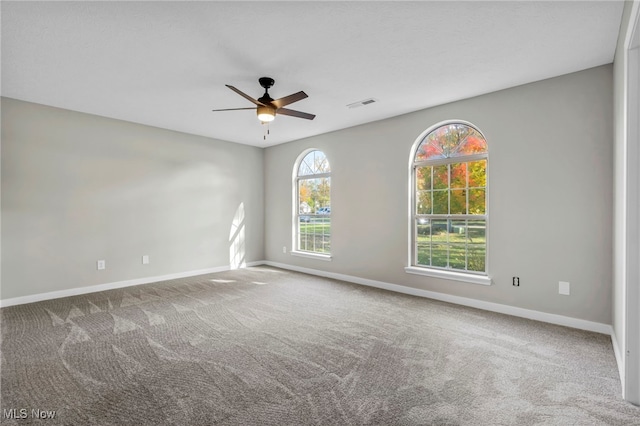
[(362, 103)]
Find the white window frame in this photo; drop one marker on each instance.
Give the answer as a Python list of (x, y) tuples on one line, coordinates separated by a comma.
[(482, 278), (295, 241)]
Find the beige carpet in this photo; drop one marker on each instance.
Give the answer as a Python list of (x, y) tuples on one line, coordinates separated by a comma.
[(263, 346)]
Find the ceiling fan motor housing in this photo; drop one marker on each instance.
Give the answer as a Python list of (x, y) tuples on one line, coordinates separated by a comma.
[(266, 82)]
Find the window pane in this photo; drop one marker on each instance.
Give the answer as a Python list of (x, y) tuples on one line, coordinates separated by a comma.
[(304, 196), (441, 177), (477, 174), (457, 256), (476, 257), (423, 204), (458, 175), (474, 143), (305, 168), (423, 178), (304, 241), (439, 254), (439, 230), (323, 194), (477, 231), (477, 201), (458, 231), (424, 254), (441, 202), (423, 230), (326, 244), (458, 201), (423, 242), (428, 150)]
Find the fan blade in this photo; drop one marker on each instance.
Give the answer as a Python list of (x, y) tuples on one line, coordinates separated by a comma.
[(232, 109), (244, 95), (292, 113), (279, 103)]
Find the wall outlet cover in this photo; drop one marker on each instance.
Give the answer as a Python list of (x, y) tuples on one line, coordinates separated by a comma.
[(564, 288)]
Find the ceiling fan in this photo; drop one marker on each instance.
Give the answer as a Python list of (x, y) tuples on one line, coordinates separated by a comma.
[(266, 107)]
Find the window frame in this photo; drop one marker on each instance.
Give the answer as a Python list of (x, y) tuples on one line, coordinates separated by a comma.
[(296, 178), (475, 277)]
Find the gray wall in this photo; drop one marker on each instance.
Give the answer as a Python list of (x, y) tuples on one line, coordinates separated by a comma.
[(77, 188), (550, 180)]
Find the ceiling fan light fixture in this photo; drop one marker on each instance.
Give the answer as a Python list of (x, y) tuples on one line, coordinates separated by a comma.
[(266, 114)]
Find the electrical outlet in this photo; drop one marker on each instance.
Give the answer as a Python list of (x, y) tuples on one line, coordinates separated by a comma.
[(564, 288), (101, 265), (515, 281), (145, 259), (284, 249)]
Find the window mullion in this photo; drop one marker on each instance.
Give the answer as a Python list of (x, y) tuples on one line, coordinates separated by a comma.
[(466, 245), (431, 188), (451, 160), (316, 176), (449, 189), (448, 222), (466, 186)]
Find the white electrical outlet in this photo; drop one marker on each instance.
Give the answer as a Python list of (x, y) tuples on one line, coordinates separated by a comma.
[(101, 264), (284, 249), (564, 288), (145, 259)]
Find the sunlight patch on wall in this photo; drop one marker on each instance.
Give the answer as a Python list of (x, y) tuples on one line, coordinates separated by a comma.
[(236, 240)]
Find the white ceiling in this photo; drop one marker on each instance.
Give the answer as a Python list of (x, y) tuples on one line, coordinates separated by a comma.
[(165, 64)]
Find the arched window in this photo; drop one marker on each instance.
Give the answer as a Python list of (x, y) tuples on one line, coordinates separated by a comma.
[(449, 200), (312, 217)]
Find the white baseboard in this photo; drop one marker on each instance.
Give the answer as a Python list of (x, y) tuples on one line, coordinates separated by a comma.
[(474, 303), (111, 286)]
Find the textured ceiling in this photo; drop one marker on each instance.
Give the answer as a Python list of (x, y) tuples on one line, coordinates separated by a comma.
[(165, 64)]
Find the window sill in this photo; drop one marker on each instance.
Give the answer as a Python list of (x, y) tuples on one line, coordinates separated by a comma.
[(449, 275), (319, 256)]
